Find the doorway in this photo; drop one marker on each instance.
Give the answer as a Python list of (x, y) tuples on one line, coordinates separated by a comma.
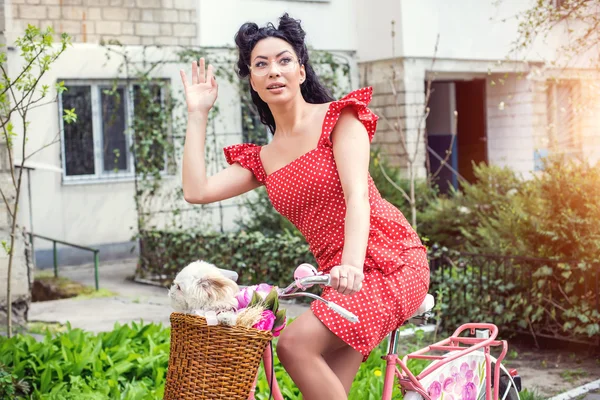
[(465, 139)]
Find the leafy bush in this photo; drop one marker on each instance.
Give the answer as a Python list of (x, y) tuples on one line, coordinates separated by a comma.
[(255, 257), (519, 294), (425, 192), (11, 387), (450, 220), (127, 363), (262, 217), (130, 363), (553, 215)]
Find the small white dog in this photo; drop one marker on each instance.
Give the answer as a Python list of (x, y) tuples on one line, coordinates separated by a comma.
[(202, 289)]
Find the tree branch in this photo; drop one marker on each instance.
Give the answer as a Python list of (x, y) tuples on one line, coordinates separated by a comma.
[(10, 156), (23, 71), (455, 172), (448, 152), (390, 180), (55, 140), (6, 203)]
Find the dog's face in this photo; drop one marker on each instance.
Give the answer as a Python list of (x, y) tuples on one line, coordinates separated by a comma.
[(201, 286)]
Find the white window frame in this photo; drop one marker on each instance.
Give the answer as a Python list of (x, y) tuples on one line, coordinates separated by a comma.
[(572, 146), (101, 176)]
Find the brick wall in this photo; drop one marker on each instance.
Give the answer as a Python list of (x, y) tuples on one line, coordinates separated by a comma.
[(516, 118), (400, 111), (133, 22)]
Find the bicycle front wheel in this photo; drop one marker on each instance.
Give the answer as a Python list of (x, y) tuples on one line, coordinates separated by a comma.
[(507, 387)]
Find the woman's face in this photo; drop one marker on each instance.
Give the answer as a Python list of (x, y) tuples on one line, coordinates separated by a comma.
[(275, 73)]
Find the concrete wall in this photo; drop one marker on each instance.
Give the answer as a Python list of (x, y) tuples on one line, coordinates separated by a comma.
[(467, 29), (516, 117), (412, 75), (145, 22), (329, 25), (590, 135)]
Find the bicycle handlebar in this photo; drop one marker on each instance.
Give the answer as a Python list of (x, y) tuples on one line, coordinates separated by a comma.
[(302, 283)]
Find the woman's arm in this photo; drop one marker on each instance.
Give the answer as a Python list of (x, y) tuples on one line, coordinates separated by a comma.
[(201, 94), (351, 150), (197, 187)]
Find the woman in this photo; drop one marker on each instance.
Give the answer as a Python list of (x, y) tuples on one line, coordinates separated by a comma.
[(316, 174)]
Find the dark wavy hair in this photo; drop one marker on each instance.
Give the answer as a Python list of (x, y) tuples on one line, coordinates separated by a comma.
[(291, 31)]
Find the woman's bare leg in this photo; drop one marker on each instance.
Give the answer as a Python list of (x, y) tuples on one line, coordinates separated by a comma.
[(344, 363), (300, 349)]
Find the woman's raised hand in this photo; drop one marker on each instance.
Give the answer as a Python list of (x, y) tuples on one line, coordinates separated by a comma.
[(201, 93)]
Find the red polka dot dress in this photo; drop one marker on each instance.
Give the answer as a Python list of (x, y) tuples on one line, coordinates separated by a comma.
[(308, 192)]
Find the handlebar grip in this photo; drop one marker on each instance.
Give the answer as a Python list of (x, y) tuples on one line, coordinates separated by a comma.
[(343, 312)]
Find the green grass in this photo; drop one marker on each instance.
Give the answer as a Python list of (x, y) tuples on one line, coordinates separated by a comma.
[(530, 395), (94, 294), (570, 375), (41, 328), (68, 288)]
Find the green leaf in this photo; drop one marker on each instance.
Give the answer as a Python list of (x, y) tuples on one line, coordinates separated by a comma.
[(593, 329), (256, 299), (272, 300), (280, 318)]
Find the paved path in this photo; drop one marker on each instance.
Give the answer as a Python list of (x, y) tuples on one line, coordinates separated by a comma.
[(133, 302)]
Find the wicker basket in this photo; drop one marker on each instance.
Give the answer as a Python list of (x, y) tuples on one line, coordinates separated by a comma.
[(212, 362)]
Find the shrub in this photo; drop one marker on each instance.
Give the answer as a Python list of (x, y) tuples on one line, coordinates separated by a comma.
[(553, 215), (519, 294), (255, 257), (262, 217), (128, 363)]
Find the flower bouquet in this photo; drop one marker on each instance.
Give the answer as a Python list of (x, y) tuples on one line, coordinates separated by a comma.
[(258, 307)]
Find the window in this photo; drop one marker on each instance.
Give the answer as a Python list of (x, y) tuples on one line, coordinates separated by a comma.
[(562, 105), (97, 147)]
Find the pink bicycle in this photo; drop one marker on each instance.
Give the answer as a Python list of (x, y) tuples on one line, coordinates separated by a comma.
[(461, 367)]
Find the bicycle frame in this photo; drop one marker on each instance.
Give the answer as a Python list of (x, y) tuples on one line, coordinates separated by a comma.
[(453, 351), (455, 348), (396, 367)]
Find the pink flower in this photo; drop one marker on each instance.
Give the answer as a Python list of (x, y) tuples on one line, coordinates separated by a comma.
[(448, 384), (461, 384), (263, 289), (277, 331), (469, 391), (244, 296), (435, 390), (266, 322)]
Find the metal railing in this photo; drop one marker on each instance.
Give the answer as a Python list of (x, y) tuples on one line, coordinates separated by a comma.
[(556, 288), (55, 253)]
